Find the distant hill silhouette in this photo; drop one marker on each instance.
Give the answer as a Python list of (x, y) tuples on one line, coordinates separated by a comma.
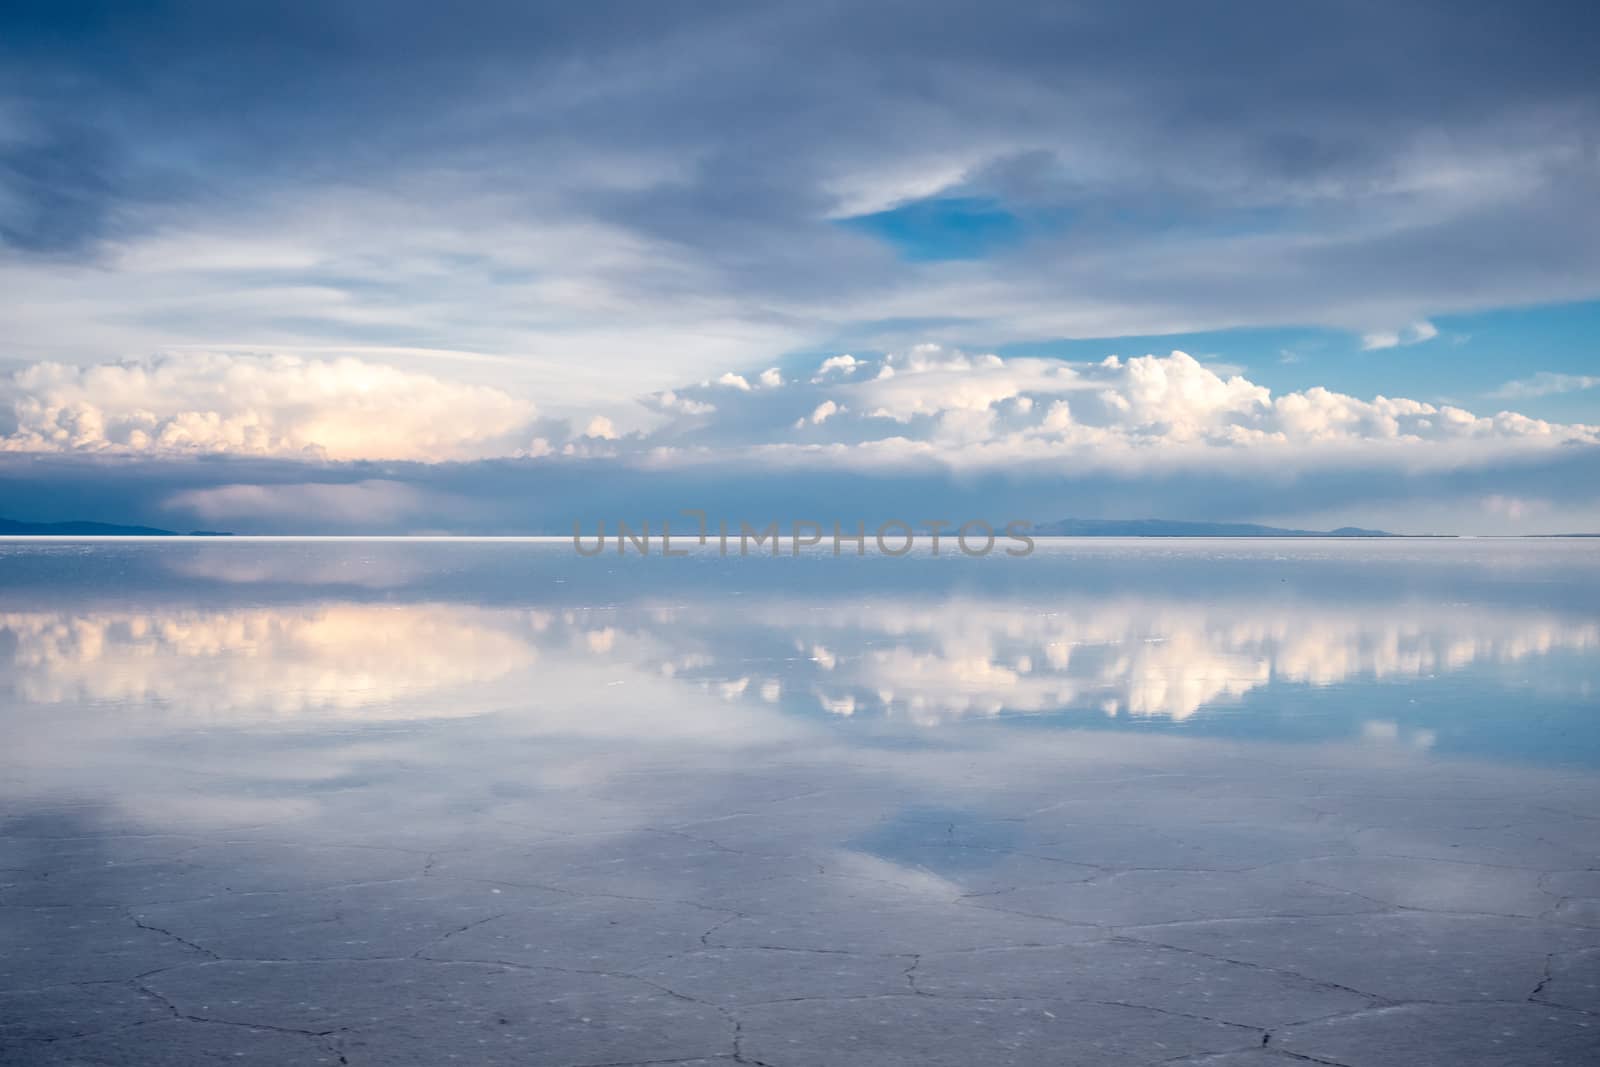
[(1059, 528), (90, 529), (1177, 528)]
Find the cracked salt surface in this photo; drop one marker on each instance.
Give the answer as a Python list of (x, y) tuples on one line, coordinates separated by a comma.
[(410, 822)]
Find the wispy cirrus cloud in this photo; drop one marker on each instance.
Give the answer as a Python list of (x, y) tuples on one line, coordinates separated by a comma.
[(1413, 334), (379, 502), (1545, 383)]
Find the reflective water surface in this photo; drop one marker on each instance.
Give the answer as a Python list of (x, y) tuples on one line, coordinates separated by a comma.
[(1118, 802)]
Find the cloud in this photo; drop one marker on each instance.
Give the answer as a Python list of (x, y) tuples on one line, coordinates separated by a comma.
[(844, 364), (342, 409), (1514, 508), (601, 428), (925, 404), (1414, 334), (935, 404), (373, 504), (297, 445), (670, 401), (1545, 383), (608, 201), (825, 410), (367, 662), (1142, 656)]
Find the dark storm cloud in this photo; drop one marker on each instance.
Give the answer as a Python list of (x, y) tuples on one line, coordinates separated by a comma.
[(60, 188), (529, 497), (763, 107)]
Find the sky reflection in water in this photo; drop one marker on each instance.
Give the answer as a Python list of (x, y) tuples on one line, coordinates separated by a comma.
[(1486, 649), (271, 803)]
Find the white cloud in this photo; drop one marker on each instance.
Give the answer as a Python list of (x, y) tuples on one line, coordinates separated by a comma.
[(375, 503), (1141, 656), (671, 401), (1514, 508), (967, 410), (341, 409), (1545, 383), (373, 662), (561, 228), (844, 364), (1416, 333), (925, 404)]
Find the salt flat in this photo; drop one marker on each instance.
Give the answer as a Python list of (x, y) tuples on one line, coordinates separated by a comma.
[(1210, 803)]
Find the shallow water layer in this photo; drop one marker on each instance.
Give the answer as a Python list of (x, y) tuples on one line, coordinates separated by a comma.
[(1117, 802)]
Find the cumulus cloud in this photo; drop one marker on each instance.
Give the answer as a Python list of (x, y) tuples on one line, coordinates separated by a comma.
[(372, 662), (843, 364), (825, 410), (931, 403), (929, 660), (280, 405), (670, 401), (601, 428), (926, 404)]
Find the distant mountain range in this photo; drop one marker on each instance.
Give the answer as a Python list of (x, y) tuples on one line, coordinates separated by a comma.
[(1059, 528), (14, 528), (1175, 528)]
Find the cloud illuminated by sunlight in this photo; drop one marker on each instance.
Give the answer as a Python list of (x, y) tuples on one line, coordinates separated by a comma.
[(927, 403)]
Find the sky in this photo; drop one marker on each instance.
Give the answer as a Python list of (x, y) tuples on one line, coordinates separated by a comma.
[(404, 267)]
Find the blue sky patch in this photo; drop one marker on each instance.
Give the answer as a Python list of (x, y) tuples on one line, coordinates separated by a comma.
[(1470, 362), (940, 228)]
